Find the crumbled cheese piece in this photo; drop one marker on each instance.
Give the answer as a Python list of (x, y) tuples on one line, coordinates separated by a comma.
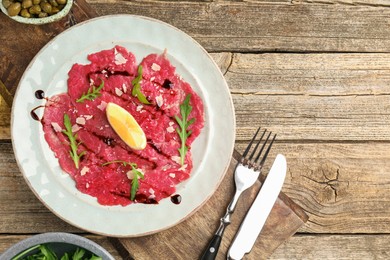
[(152, 78), (151, 191), (156, 67), (80, 120), (159, 100), (176, 159), (88, 117), (124, 88), (139, 108), (91, 82), (170, 128), (172, 175), (75, 128), (56, 127), (130, 175), (84, 170), (152, 196), (118, 92), (183, 168), (102, 105), (119, 59), (87, 185)]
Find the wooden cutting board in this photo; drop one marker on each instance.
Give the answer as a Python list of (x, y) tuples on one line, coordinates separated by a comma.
[(20, 43)]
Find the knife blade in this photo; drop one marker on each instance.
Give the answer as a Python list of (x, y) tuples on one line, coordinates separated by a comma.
[(258, 213)]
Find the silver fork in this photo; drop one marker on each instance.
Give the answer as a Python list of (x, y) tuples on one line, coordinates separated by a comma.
[(245, 175)]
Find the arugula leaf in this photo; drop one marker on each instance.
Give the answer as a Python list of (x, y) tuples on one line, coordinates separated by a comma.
[(78, 255), (136, 92), (137, 174), (73, 142), (184, 123), (48, 254), (91, 94)]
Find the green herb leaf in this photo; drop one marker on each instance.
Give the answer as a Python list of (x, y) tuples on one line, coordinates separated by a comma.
[(65, 257), (184, 123), (136, 92), (78, 255), (91, 94), (73, 142), (137, 175), (48, 253)]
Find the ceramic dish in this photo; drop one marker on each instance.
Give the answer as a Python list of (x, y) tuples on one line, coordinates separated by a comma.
[(52, 18), (212, 150), (59, 242)]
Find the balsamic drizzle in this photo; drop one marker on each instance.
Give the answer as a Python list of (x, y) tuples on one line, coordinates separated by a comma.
[(176, 199)]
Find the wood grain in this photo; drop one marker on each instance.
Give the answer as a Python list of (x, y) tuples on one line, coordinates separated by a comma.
[(266, 26), (312, 247), (343, 187)]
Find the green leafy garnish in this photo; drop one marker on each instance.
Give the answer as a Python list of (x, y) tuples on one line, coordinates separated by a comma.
[(91, 94), (73, 142), (184, 123), (137, 174), (45, 253), (136, 92)]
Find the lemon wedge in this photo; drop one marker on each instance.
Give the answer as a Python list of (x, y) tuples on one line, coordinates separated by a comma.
[(126, 126)]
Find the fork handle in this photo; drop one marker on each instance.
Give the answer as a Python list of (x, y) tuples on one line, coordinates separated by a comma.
[(212, 248)]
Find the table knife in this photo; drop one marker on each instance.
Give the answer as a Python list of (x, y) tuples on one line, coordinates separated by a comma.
[(258, 213)]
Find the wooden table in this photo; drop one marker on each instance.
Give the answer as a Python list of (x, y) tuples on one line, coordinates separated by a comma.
[(315, 72)]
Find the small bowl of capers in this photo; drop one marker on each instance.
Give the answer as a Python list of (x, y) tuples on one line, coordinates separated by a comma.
[(36, 11)]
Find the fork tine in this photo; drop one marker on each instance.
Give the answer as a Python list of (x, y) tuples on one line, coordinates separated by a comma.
[(250, 144), (257, 145), (267, 151)]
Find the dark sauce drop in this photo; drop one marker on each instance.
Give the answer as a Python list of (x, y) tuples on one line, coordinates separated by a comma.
[(40, 94), (167, 84), (34, 115), (176, 199), (141, 198)]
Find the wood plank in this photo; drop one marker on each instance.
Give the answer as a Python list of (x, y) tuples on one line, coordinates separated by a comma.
[(257, 26), (334, 247), (343, 187), (6, 241), (311, 93)]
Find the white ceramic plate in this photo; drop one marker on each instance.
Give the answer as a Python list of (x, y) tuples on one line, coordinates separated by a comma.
[(212, 150)]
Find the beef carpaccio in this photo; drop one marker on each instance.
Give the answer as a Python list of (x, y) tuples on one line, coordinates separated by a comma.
[(102, 171)]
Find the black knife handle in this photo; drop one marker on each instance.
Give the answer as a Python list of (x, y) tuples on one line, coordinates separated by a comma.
[(212, 248)]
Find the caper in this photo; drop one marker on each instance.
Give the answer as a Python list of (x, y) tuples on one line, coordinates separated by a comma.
[(53, 2), (27, 4), (36, 2), (14, 9), (61, 2), (35, 9), (54, 10), (43, 14), (6, 3), (46, 7), (24, 13)]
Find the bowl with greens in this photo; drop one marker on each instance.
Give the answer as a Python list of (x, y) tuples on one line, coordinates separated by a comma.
[(56, 246)]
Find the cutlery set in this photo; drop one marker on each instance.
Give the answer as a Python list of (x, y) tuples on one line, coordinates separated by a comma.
[(246, 173)]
